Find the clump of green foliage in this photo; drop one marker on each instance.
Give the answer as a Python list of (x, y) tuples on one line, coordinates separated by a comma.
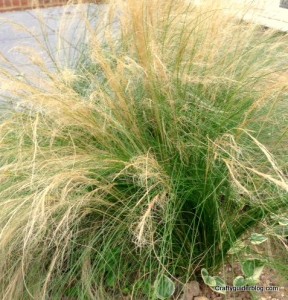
[(146, 163)]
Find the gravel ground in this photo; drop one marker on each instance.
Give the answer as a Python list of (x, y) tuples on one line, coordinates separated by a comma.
[(271, 287)]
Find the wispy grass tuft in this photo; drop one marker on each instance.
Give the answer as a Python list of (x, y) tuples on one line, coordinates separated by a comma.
[(159, 151)]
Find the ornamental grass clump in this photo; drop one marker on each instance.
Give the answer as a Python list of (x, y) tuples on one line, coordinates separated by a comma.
[(152, 158)]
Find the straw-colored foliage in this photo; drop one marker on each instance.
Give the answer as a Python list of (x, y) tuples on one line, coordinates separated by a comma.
[(160, 150)]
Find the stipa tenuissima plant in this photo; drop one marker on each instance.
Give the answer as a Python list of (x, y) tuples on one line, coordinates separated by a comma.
[(152, 157)]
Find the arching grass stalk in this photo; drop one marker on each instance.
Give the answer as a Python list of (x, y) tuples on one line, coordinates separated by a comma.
[(154, 156)]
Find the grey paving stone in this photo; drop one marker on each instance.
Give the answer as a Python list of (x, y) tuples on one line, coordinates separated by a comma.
[(54, 34)]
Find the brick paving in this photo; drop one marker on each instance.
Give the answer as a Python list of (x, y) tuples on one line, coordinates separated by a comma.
[(11, 5)]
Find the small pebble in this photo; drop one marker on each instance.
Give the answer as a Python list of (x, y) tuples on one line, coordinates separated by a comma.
[(191, 289)]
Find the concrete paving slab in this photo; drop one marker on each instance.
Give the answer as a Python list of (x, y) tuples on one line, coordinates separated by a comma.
[(57, 33), (263, 12), (57, 30), (51, 29), (267, 13), (54, 34)]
